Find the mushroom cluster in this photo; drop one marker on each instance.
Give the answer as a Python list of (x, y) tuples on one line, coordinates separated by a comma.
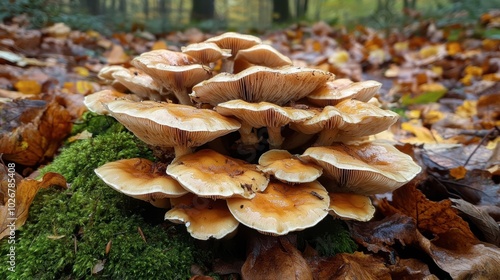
[(201, 107)]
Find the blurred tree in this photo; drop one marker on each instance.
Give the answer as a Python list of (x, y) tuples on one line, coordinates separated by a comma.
[(203, 10), (281, 11), (92, 6)]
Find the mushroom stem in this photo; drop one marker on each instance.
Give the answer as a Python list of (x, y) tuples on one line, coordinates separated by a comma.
[(227, 65), (182, 96), (275, 139), (296, 140), (182, 150), (326, 137), (248, 136)]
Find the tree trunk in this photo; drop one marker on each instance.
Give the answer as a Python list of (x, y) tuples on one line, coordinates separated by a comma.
[(281, 12), (203, 10)]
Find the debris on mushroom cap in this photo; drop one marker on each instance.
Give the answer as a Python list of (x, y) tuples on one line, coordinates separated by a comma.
[(338, 90), (263, 114), (205, 52), (350, 206), (234, 41), (282, 208), (141, 179), (259, 83), (139, 83), (287, 168), (367, 168), (171, 125), (210, 174), (204, 218), (96, 101), (175, 71), (263, 54)]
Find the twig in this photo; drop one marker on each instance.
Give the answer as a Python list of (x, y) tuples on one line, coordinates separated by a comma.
[(481, 143)]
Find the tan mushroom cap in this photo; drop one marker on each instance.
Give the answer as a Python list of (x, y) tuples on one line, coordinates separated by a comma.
[(339, 90), (204, 218), (141, 179), (350, 206), (234, 41), (263, 114), (259, 83), (210, 174), (206, 53), (288, 168), (177, 72), (106, 73), (171, 125), (282, 208), (139, 83), (263, 55), (96, 101), (368, 168)]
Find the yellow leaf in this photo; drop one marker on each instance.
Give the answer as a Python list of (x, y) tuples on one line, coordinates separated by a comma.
[(159, 45), (432, 87), (473, 70), (467, 80), (433, 116), (28, 87), (468, 109), (422, 134), (401, 46), (458, 172), (82, 71), (414, 114), (453, 48), (84, 87)]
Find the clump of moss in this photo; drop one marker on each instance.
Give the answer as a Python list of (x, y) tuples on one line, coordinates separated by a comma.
[(67, 233), (329, 237)]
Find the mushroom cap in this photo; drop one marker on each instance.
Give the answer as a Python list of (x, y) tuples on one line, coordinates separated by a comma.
[(96, 101), (210, 174), (166, 57), (287, 168), (170, 125), (259, 83), (329, 118), (338, 90), (350, 206), (142, 179), (234, 41), (204, 218), (106, 73), (138, 83), (262, 114), (367, 168), (205, 52), (263, 55), (282, 208)]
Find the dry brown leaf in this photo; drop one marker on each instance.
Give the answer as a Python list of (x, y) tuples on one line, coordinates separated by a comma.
[(458, 172), (117, 55), (275, 258), (16, 201), (32, 130), (430, 216), (485, 223), (349, 266), (411, 269)]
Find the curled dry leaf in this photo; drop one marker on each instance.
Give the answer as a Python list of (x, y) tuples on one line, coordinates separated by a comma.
[(430, 216), (16, 201), (32, 130), (350, 266)]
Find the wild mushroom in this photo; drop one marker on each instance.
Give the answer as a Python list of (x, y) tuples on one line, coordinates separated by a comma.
[(282, 208), (167, 125), (259, 83), (334, 92), (175, 71), (288, 168), (234, 42), (263, 55), (210, 174), (139, 83), (366, 168), (204, 218), (206, 53), (262, 114), (350, 206), (142, 179), (96, 101)]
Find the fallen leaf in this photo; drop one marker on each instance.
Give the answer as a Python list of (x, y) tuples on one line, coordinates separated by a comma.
[(349, 266), (434, 217), (28, 87), (16, 201), (458, 172)]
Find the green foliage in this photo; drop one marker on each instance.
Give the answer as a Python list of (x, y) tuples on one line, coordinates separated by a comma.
[(329, 237), (67, 231), (423, 98)]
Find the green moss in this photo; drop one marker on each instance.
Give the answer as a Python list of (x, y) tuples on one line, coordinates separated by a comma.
[(329, 237), (67, 231)]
